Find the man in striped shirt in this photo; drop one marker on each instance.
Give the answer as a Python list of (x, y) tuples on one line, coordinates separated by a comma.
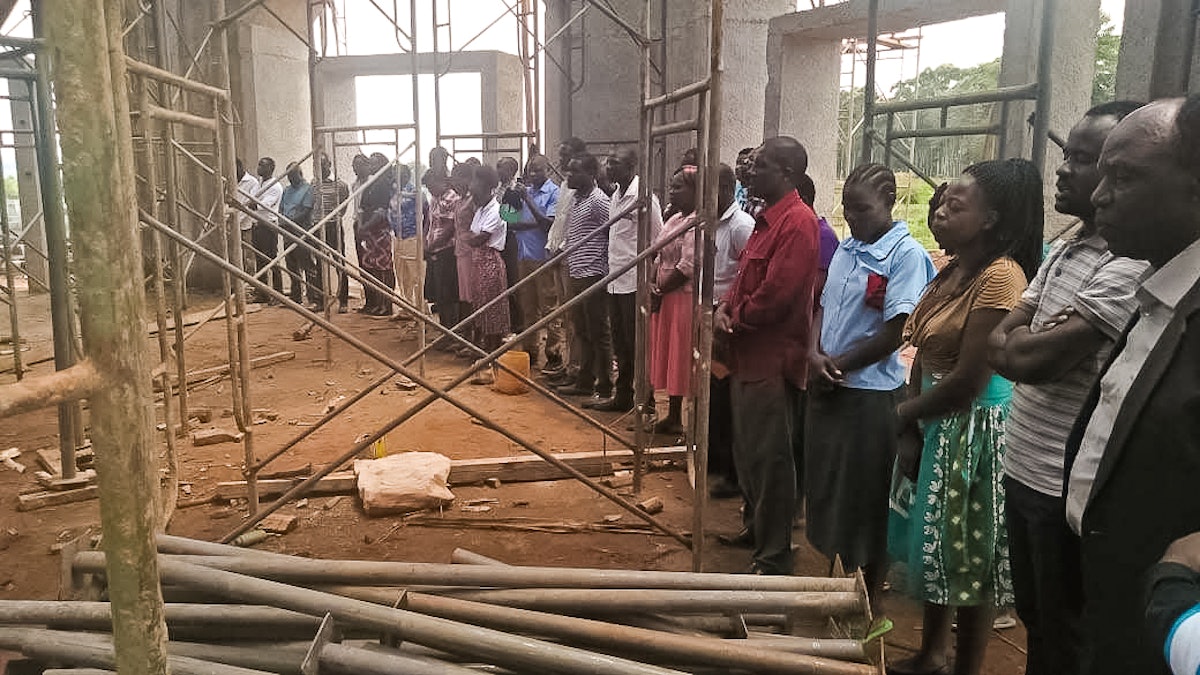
[(586, 265), (330, 195), (1053, 346)]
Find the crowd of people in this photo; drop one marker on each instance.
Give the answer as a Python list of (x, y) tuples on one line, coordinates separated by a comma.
[(1039, 449)]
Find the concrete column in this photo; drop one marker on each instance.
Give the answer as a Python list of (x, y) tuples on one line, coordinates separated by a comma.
[(1154, 50), (28, 185), (1071, 77), (746, 74), (806, 108)]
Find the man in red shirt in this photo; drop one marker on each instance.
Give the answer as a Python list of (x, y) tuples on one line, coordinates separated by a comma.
[(768, 316)]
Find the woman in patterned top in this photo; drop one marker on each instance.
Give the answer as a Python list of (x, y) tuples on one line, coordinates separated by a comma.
[(953, 538)]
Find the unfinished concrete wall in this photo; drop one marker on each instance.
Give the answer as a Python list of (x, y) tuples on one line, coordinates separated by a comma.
[(1072, 71), (1155, 44), (804, 66)]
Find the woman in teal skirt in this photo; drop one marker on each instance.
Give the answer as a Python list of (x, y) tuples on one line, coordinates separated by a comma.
[(949, 527)]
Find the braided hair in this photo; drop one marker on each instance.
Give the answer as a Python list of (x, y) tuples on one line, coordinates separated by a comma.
[(1013, 189), (877, 177)]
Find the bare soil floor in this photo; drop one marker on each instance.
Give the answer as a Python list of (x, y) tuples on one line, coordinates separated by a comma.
[(297, 393)]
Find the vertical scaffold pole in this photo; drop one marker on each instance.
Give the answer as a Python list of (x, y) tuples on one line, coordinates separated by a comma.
[(84, 37), (642, 321)]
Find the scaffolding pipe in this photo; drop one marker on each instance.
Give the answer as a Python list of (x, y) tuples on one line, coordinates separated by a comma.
[(436, 392), (98, 179), (641, 385), (869, 85), (1021, 92), (141, 68), (1045, 90), (70, 424), (97, 652), (181, 118), (685, 92), (522, 654), (10, 283), (297, 570), (179, 278)]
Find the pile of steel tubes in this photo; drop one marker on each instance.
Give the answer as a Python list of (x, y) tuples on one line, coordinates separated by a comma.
[(240, 611)]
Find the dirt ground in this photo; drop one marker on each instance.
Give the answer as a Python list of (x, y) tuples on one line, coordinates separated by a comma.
[(297, 392)]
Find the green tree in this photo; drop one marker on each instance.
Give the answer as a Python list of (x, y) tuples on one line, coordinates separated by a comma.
[(1108, 46)]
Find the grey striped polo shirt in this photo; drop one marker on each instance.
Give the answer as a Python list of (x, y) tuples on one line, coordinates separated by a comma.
[(1079, 273)]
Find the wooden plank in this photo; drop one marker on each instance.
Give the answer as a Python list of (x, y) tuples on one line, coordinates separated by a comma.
[(51, 460), (517, 469), (193, 318), (38, 500), (195, 376)]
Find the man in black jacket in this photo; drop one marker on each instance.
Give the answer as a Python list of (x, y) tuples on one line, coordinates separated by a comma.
[(1135, 452)]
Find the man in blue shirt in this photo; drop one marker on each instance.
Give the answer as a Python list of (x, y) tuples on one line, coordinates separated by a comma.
[(402, 217), (296, 205), (536, 299)]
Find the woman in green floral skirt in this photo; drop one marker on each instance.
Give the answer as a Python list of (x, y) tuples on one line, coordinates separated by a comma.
[(952, 535)]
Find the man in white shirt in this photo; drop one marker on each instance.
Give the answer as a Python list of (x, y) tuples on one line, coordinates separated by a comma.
[(264, 237), (1133, 482), (246, 188), (622, 291)]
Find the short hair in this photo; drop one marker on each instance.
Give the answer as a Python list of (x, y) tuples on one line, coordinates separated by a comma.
[(269, 161), (1013, 189), (627, 156), (462, 174), (726, 182), (1117, 109), (807, 190), (487, 175), (509, 160), (877, 177), (589, 163), (1187, 126), (576, 145), (789, 153), (745, 151)]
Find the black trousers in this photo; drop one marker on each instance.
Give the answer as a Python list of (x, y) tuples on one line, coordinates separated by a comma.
[(1044, 555), (333, 237), (720, 430), (622, 316), (305, 274), (511, 277), (591, 326), (266, 246)]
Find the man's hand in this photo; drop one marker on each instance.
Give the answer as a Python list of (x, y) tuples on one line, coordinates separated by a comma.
[(823, 370), (722, 321), (1059, 319), (908, 451), (1185, 551)]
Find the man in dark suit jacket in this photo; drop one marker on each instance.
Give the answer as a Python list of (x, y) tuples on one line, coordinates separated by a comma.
[(1133, 481)]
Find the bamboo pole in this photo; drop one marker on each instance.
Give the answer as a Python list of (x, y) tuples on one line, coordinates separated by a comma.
[(58, 387), (98, 173), (178, 277)]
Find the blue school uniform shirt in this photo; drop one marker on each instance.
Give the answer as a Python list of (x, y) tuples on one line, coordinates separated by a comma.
[(901, 268)]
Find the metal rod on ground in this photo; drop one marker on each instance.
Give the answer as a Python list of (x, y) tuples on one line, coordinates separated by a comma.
[(377, 573), (98, 615), (97, 652), (98, 181), (652, 645), (436, 392), (624, 600), (488, 645), (70, 426)]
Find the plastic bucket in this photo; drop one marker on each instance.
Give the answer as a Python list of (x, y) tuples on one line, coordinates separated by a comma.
[(505, 383)]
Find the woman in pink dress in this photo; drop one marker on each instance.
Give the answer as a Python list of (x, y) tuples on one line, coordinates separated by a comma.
[(671, 303)]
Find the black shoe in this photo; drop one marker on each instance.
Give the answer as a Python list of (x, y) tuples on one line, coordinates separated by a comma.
[(723, 488), (574, 390), (553, 365), (342, 309), (614, 404), (594, 402), (562, 379), (743, 539)]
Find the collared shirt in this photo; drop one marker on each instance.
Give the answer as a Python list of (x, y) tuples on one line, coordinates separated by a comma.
[(771, 301), (733, 231), (531, 243), (327, 196), (1080, 274), (829, 242), (296, 198), (1160, 293), (853, 311), (557, 237), (269, 193), (247, 187), (487, 219), (588, 213), (622, 236)]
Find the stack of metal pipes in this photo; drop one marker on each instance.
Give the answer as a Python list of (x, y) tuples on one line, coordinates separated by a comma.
[(240, 611)]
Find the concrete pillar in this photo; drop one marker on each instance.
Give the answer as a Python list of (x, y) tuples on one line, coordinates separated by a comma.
[(806, 107), (28, 185), (746, 72), (1071, 77), (1155, 44)]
